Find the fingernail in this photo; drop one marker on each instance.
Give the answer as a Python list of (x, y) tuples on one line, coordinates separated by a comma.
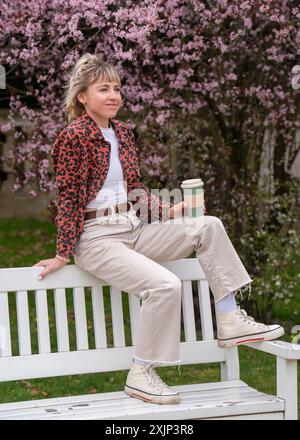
[(39, 278)]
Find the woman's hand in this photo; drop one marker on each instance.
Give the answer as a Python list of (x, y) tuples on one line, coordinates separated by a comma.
[(180, 209), (50, 265)]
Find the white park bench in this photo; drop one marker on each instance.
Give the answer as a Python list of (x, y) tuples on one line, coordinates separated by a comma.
[(230, 398)]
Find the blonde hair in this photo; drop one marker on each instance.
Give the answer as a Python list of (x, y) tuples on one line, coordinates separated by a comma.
[(88, 69)]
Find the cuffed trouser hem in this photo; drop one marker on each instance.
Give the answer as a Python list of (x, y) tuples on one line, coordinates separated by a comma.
[(239, 292), (154, 364)]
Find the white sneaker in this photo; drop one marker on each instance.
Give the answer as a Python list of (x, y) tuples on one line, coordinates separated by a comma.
[(144, 383), (236, 327)]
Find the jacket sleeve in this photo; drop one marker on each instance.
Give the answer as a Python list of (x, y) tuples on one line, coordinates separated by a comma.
[(151, 206), (66, 163)]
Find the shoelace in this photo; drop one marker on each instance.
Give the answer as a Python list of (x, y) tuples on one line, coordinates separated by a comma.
[(243, 314), (155, 379)]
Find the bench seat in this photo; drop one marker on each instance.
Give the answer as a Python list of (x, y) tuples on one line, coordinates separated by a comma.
[(216, 400)]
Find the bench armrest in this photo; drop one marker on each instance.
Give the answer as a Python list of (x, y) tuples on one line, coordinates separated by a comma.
[(287, 355), (281, 349)]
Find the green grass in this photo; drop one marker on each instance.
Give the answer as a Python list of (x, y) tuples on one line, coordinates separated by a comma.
[(23, 242)]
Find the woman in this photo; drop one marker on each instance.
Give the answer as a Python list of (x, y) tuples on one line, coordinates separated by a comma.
[(96, 162)]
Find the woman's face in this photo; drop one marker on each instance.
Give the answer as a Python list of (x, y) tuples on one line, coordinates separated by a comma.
[(102, 98)]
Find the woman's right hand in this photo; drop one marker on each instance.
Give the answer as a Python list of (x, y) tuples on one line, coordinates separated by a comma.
[(50, 265)]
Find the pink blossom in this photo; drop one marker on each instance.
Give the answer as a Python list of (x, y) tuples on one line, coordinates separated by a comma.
[(248, 23)]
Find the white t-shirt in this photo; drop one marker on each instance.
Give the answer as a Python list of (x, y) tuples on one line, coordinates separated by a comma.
[(113, 190)]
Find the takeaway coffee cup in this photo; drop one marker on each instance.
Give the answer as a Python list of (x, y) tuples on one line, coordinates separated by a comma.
[(193, 195)]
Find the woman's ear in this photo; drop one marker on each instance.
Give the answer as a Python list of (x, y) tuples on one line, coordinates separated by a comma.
[(81, 98)]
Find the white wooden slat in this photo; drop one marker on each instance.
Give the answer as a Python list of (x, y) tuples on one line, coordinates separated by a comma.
[(188, 312), (276, 415), (70, 276), (99, 317), (265, 411), (205, 310), (82, 342), (97, 360), (42, 321), (23, 322), (26, 278), (61, 320), (5, 337), (117, 317), (279, 348), (116, 403), (134, 312), (117, 396), (196, 403)]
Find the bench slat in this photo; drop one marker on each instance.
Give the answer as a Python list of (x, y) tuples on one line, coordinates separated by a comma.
[(26, 278), (82, 342), (134, 311), (117, 317), (99, 317), (205, 310), (61, 320), (70, 276), (198, 401), (23, 322), (96, 360), (42, 321), (116, 396), (188, 312), (114, 404), (5, 337)]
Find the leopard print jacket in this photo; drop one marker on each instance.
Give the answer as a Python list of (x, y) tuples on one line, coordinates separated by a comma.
[(81, 157)]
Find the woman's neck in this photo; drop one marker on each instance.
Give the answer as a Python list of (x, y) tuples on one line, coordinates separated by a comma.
[(100, 121)]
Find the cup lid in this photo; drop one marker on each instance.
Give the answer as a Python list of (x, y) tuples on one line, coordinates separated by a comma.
[(191, 183)]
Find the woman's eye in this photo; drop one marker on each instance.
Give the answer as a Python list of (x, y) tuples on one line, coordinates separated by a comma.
[(104, 90)]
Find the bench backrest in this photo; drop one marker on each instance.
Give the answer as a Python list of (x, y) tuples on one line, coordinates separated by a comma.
[(40, 320)]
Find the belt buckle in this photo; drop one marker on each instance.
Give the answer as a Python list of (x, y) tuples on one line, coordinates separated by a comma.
[(120, 210), (110, 215), (113, 209)]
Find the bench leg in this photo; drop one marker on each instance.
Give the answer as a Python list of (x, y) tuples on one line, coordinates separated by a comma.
[(287, 386), (230, 369)]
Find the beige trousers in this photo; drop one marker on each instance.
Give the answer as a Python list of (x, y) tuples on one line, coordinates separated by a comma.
[(125, 252)]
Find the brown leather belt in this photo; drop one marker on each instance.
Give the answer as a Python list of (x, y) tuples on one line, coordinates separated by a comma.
[(122, 207)]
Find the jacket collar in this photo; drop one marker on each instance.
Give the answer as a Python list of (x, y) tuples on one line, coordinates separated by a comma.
[(86, 121), (95, 136)]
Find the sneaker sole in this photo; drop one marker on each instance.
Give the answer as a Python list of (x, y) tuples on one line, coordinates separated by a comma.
[(146, 397), (258, 337)]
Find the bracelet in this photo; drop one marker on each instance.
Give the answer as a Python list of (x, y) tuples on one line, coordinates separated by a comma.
[(66, 260)]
